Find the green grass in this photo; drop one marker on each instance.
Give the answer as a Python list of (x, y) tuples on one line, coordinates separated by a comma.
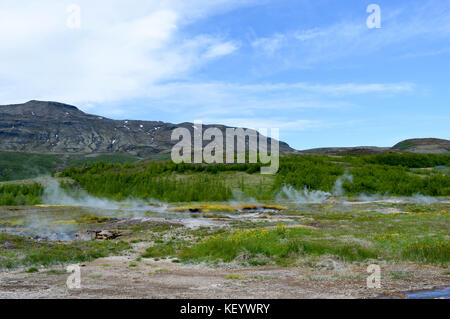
[(32, 270), (16, 251), (282, 245), (236, 277), (361, 233), (55, 272), (400, 275), (404, 145), (428, 252), (159, 250), (419, 235)]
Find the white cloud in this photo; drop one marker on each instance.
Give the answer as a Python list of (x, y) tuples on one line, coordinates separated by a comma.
[(269, 45), (221, 49), (121, 49), (213, 92), (221, 100), (356, 89), (304, 35), (351, 37)]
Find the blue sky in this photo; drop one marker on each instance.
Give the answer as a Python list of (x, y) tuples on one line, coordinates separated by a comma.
[(311, 68)]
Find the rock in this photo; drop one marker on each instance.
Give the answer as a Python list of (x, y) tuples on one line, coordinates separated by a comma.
[(332, 200), (424, 145), (107, 234), (85, 235)]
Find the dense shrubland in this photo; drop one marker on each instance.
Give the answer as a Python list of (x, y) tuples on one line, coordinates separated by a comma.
[(18, 165), (12, 195), (391, 174), (119, 186), (408, 160), (383, 174), (14, 166)]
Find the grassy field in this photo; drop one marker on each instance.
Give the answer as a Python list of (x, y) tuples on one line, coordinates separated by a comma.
[(420, 235), (17, 251), (301, 235)]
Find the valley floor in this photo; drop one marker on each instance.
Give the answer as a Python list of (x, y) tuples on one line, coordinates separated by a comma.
[(164, 279), (209, 251)]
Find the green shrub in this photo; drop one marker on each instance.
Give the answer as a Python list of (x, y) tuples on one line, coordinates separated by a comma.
[(161, 250), (13, 195), (392, 174)]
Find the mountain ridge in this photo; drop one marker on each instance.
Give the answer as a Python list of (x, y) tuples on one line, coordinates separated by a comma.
[(53, 127)]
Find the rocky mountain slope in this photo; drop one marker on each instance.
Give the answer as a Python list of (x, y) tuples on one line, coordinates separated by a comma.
[(51, 127)]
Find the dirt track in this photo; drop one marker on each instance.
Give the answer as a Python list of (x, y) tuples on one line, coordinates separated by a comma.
[(113, 278)]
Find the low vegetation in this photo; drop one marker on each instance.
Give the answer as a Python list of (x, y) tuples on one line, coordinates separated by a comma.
[(419, 235), (381, 174), (18, 165), (12, 195), (282, 245), (78, 161), (387, 174), (16, 251)]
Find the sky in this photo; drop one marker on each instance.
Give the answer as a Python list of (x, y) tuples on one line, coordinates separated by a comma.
[(312, 68)]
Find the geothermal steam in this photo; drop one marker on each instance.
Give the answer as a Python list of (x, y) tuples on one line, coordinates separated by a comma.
[(307, 196), (55, 195)]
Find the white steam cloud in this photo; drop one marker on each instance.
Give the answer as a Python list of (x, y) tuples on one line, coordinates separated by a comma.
[(303, 197), (307, 196), (55, 195), (422, 199), (338, 189)]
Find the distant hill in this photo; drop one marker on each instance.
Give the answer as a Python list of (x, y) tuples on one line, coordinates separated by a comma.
[(359, 150), (51, 127), (424, 145), (417, 145)]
